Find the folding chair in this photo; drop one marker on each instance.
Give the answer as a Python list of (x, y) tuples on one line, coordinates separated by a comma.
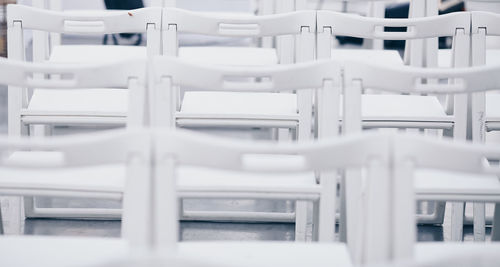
[(189, 149), (434, 186), (123, 75), (404, 111), (171, 73), (80, 107), (230, 109)]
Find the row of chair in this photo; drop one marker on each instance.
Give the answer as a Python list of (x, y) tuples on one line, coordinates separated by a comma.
[(153, 161), (327, 76)]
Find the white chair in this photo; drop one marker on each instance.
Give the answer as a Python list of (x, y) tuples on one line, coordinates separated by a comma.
[(412, 155), (402, 111), (78, 107), (485, 114), (171, 73), (225, 109), (178, 149), (189, 149), (435, 186), (100, 165), (122, 76)]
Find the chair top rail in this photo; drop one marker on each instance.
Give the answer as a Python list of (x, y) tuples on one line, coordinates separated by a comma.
[(84, 23), (189, 148), (109, 147), (246, 78), (447, 154), (488, 20), (238, 25), (374, 28), (70, 76), (409, 79)]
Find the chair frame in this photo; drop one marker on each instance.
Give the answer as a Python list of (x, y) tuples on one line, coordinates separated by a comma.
[(299, 23), (129, 75), (458, 81), (170, 73)]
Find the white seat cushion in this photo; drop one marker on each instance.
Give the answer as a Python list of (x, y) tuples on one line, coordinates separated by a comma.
[(244, 56), (238, 105), (389, 57), (445, 184), (82, 102), (66, 252), (402, 108)]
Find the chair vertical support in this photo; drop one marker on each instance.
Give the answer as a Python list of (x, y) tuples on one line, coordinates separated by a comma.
[(403, 211), (351, 124), (495, 235), (461, 50), (137, 218), (328, 118), (376, 247), (478, 106), (165, 204)]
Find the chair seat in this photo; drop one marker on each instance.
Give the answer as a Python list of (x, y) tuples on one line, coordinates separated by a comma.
[(108, 181), (244, 56), (74, 251), (78, 102), (445, 185), (251, 56), (384, 110), (96, 53), (444, 57), (456, 254), (493, 111), (402, 107), (389, 57), (237, 106)]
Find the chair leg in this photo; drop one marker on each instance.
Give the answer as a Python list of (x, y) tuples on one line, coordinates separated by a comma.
[(1, 219), (300, 220), (495, 235), (315, 222), (29, 202), (457, 220), (479, 222), (343, 212)]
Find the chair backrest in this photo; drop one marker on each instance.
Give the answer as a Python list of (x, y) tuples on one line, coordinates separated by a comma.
[(22, 18), (184, 148), (19, 76), (170, 73), (300, 23), (131, 148), (332, 23)]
